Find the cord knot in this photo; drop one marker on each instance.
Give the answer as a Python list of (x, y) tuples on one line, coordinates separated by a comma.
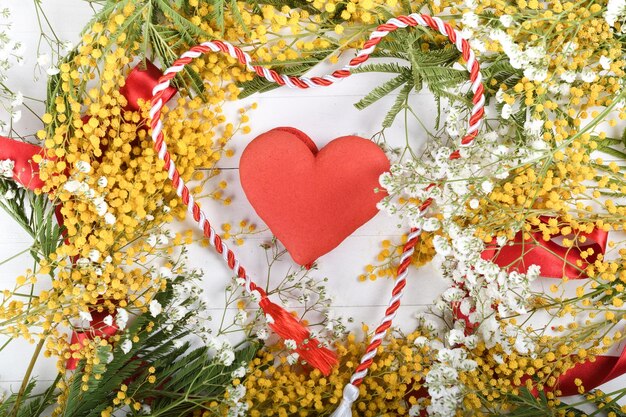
[(350, 395)]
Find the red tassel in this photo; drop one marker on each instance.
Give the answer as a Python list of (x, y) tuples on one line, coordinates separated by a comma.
[(287, 326)]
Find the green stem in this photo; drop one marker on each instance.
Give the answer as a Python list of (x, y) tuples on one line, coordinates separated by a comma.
[(29, 371)]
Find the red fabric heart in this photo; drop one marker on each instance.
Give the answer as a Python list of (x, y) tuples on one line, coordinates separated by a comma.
[(312, 200)]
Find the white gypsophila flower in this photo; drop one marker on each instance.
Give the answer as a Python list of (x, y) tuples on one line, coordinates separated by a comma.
[(605, 62), (102, 182), (226, 356), (178, 312), (470, 20), (108, 320), (431, 224), (507, 111), (121, 318), (420, 341), (534, 127), (101, 206), (94, 255), (500, 96), (615, 12), (155, 308), (236, 393), (109, 218), (166, 272), (569, 48), (534, 73), (85, 315), (83, 166), (108, 357), (71, 186), (83, 262), (415, 410), (453, 124), (478, 45), (506, 20), (588, 75), (241, 317), (442, 245), (486, 186), (6, 168), (456, 337), (18, 100), (568, 76), (262, 334), (292, 358), (239, 372), (533, 271), (126, 346), (291, 344)]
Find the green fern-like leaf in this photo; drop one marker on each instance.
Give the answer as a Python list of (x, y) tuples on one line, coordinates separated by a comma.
[(218, 13), (236, 13), (398, 105), (8, 404), (382, 90), (181, 23), (442, 76), (391, 67), (438, 57)]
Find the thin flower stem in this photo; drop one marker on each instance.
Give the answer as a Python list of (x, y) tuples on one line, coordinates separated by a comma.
[(29, 370)]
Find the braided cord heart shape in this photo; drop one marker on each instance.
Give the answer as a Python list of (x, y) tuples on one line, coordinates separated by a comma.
[(283, 323)]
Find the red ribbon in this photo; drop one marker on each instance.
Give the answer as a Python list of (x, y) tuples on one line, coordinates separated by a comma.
[(555, 260), (25, 172), (98, 329), (558, 261), (138, 86)]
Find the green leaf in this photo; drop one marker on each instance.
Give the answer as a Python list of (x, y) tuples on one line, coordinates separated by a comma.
[(218, 13), (182, 24), (437, 57), (442, 76), (36, 405), (236, 13), (613, 152), (382, 90), (6, 406), (392, 68), (398, 105)]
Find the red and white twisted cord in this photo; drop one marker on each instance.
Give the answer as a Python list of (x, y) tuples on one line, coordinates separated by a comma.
[(351, 390)]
